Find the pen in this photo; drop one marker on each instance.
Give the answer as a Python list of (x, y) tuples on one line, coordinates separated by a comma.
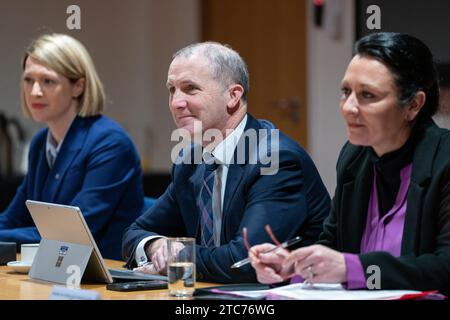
[(284, 245)]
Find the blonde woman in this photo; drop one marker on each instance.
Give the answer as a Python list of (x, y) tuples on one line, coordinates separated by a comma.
[(81, 158)]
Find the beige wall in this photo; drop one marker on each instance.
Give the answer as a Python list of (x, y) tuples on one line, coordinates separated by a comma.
[(131, 43), (329, 51)]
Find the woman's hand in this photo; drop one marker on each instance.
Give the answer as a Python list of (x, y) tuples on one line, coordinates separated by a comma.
[(316, 264), (269, 266)]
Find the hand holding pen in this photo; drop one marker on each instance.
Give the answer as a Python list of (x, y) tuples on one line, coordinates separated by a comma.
[(283, 245), (268, 261)]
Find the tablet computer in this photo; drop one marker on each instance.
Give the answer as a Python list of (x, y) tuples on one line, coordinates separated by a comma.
[(67, 224)]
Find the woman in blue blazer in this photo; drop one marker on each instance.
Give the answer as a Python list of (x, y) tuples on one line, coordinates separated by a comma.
[(81, 158)]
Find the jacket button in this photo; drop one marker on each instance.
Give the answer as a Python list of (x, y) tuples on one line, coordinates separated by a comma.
[(57, 176)]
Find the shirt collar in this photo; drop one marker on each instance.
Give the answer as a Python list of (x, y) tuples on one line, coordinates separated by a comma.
[(224, 151), (51, 148), (390, 164), (51, 144)]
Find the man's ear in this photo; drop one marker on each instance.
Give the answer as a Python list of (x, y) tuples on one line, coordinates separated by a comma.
[(78, 88), (235, 91), (415, 106)]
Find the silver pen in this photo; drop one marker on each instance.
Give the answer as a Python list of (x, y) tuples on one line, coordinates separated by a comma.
[(284, 245)]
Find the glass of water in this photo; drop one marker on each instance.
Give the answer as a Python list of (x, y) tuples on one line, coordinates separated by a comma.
[(181, 266)]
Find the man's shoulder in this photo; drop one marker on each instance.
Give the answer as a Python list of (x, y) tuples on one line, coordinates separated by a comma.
[(267, 127), (274, 149)]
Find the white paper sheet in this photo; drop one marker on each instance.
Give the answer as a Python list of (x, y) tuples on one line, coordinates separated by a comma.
[(322, 291)]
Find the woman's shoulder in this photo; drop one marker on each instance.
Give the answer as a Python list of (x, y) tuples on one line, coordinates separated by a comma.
[(350, 152), (440, 137), (102, 126), (433, 148), (103, 123), (443, 150), (101, 131), (39, 138)]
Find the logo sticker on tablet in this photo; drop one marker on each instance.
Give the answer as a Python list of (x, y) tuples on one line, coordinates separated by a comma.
[(62, 252)]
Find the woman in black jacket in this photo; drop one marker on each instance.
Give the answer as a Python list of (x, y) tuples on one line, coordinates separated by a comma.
[(389, 227)]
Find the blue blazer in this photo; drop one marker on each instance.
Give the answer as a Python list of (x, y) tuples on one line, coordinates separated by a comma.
[(293, 201), (97, 169)]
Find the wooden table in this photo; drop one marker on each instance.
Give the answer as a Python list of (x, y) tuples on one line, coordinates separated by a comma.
[(15, 286)]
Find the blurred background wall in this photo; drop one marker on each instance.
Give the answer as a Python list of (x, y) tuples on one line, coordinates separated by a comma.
[(132, 42)]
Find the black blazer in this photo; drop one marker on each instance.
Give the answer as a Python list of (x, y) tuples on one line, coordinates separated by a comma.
[(293, 201), (424, 263)]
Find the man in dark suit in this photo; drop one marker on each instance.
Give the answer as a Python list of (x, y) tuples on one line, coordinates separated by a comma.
[(247, 176)]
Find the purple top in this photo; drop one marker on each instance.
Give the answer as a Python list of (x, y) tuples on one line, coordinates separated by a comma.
[(380, 234)]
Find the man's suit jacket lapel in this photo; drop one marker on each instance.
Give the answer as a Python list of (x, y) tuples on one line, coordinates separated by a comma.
[(196, 181), (236, 171), (72, 144), (235, 174)]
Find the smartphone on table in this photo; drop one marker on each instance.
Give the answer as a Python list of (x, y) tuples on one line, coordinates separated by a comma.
[(137, 285)]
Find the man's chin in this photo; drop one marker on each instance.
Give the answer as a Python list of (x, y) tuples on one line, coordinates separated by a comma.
[(193, 127)]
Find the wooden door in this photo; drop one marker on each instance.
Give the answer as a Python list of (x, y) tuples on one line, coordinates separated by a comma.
[(271, 37)]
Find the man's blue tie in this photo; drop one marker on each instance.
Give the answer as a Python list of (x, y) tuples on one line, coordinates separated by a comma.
[(204, 203)]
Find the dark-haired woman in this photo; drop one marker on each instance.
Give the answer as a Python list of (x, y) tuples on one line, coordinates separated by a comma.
[(390, 216)]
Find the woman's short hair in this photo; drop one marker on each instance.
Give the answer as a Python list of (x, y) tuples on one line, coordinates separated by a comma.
[(68, 57), (411, 63)]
